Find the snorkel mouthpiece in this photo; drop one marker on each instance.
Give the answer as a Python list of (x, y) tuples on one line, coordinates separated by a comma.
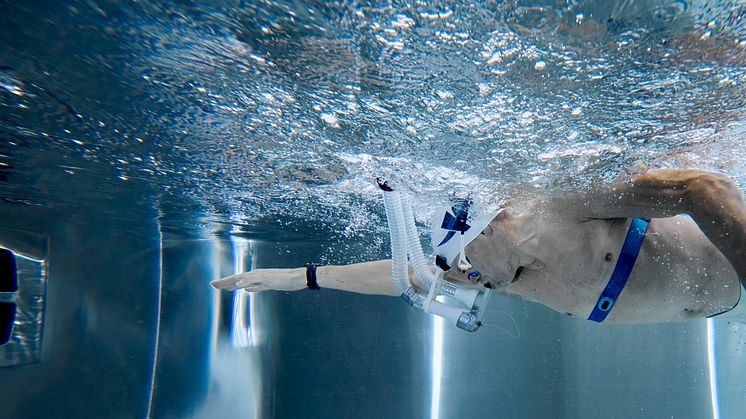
[(463, 307), (464, 265)]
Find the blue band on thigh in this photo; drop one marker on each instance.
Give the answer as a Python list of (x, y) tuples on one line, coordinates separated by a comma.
[(624, 265)]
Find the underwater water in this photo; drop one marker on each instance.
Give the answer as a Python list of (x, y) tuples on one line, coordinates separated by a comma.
[(249, 112), (158, 145)]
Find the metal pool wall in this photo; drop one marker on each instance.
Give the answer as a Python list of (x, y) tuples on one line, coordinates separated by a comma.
[(132, 329)]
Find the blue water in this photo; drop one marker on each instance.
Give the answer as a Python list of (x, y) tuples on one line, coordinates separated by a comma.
[(274, 117), (137, 137)]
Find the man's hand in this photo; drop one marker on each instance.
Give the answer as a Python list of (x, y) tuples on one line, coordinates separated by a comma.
[(264, 280)]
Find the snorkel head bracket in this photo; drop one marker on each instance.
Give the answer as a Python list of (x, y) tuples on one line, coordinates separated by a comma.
[(462, 306)]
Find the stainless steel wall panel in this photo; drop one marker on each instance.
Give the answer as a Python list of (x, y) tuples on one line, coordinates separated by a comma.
[(321, 354), (182, 354), (635, 371), (508, 368), (342, 354), (98, 335), (728, 366)]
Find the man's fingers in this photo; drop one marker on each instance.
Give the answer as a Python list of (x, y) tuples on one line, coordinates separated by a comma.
[(245, 280), (227, 283)]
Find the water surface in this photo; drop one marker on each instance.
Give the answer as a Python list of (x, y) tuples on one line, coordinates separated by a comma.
[(273, 117)]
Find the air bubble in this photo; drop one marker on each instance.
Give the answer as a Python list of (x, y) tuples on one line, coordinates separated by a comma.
[(534, 20), (330, 119)]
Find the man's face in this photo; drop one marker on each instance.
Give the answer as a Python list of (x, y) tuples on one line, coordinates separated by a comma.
[(490, 259)]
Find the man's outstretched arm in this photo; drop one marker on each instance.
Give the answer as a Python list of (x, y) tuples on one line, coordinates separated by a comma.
[(711, 199), (363, 278)]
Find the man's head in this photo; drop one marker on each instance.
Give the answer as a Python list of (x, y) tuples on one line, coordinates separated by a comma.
[(492, 254)]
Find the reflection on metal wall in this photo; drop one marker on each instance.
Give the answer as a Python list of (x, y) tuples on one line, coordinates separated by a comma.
[(343, 355), (97, 339), (22, 296), (134, 330)]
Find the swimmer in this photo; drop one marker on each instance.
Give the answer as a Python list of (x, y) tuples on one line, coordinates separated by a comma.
[(562, 252)]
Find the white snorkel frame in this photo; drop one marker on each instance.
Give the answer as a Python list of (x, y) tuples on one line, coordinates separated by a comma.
[(461, 306)]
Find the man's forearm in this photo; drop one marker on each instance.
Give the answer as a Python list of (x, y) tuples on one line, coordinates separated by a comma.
[(363, 278), (711, 199), (724, 222)]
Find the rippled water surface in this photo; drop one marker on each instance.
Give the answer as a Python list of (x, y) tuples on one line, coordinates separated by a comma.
[(279, 114)]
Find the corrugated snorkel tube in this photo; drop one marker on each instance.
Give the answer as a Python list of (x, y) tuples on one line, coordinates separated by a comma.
[(461, 306), (398, 233)]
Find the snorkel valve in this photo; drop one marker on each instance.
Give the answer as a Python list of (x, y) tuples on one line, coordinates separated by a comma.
[(463, 307)]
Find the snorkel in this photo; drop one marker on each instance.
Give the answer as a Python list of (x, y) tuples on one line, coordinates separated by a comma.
[(461, 306)]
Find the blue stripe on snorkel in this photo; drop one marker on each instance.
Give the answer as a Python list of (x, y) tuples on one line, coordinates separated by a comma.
[(624, 265), (453, 225)]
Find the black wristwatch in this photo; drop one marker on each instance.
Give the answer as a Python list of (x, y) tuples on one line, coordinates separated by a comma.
[(311, 276)]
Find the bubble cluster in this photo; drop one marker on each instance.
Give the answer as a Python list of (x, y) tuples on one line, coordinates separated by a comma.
[(281, 113)]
